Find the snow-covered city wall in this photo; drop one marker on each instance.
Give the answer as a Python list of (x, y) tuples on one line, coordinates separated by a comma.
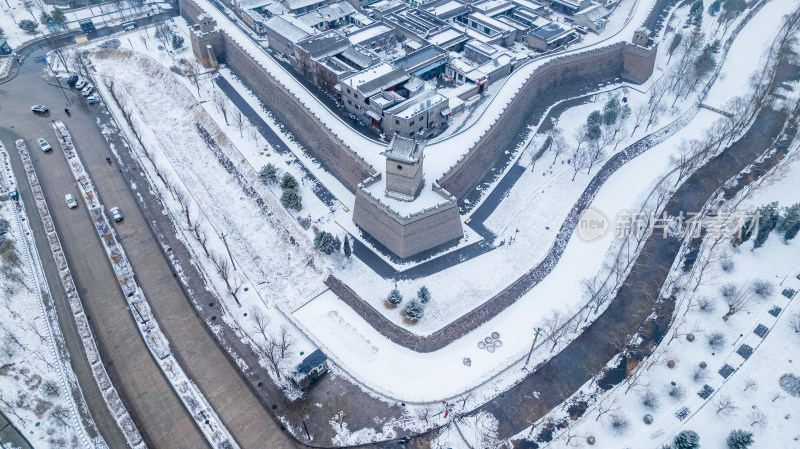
[(110, 394), (557, 79), (193, 399), (244, 56)]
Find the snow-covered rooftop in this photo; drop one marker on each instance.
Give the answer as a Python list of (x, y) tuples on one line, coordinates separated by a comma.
[(404, 149), (286, 26), (368, 33), (328, 13), (445, 36), (376, 78)]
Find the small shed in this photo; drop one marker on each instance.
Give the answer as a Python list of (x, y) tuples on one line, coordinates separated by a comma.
[(5, 49), (87, 26), (314, 366)]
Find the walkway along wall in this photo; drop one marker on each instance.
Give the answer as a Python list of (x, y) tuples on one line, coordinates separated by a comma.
[(548, 84)]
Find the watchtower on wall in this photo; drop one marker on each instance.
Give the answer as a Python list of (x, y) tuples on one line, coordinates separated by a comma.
[(206, 41), (641, 37), (206, 23), (404, 173)]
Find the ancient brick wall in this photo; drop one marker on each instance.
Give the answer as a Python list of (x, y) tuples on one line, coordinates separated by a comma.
[(638, 63), (329, 151), (407, 236), (314, 137), (548, 84), (189, 11)]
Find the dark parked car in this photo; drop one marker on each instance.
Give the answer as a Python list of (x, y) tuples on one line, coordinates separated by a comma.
[(72, 80)]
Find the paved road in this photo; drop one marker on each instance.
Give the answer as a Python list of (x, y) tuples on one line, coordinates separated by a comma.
[(161, 417), (157, 411), (10, 436)]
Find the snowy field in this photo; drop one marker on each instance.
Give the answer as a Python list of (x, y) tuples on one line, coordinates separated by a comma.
[(454, 291), (735, 374), (37, 385)]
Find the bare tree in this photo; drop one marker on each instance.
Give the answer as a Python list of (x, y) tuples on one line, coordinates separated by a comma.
[(750, 383), (596, 151), (673, 45), (724, 405), (650, 400), (687, 159), (597, 291), (221, 102), (606, 404), (716, 340), (619, 423), (424, 412), (484, 426), (676, 391), (554, 327), (639, 115), (557, 144), (285, 342), (794, 322), (579, 158), (271, 352), (260, 322), (681, 329), (193, 70), (690, 46), (232, 282), (742, 300), (253, 131), (757, 418), (238, 121)]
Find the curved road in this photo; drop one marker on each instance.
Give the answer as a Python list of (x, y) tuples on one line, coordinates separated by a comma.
[(161, 417)]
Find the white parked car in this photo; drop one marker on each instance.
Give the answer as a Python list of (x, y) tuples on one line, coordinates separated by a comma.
[(81, 83), (86, 91), (71, 201), (44, 145), (116, 214)]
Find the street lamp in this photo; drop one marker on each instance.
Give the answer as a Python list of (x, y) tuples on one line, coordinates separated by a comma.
[(538, 329)]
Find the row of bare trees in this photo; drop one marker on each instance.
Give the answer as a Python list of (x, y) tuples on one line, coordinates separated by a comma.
[(275, 345)]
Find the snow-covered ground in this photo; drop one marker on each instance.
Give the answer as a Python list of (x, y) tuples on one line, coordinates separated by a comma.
[(454, 291), (38, 389), (14, 11), (753, 350)]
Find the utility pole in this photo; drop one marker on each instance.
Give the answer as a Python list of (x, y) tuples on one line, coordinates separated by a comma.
[(222, 236), (46, 61), (535, 337)]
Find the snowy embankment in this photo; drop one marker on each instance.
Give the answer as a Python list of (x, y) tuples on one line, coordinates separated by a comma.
[(718, 368), (110, 395), (275, 264), (34, 351), (193, 399)]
